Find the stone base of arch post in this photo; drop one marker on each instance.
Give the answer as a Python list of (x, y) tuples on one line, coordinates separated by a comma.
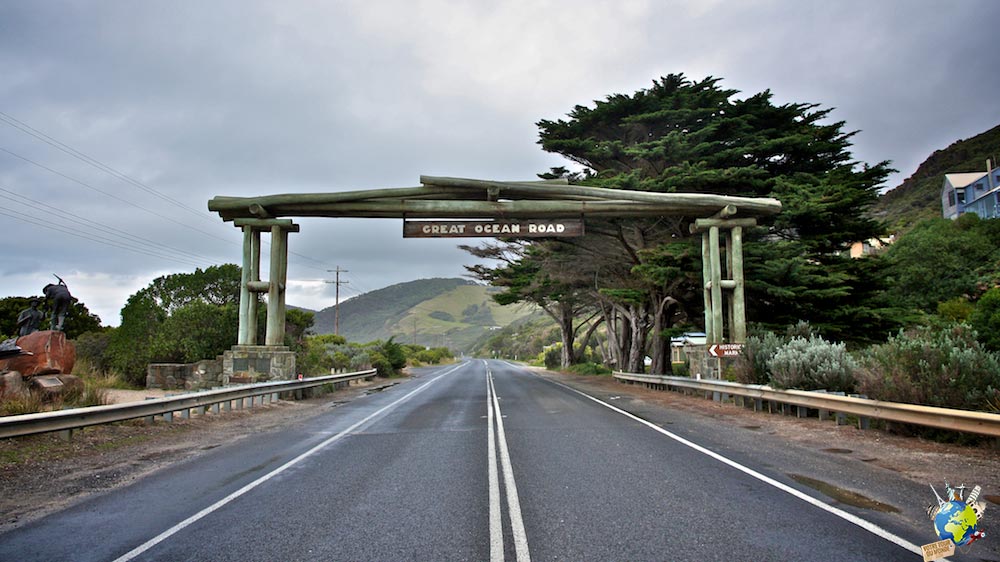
[(245, 364)]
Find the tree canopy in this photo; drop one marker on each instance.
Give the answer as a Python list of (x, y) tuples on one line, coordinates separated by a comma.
[(643, 275), (186, 317)]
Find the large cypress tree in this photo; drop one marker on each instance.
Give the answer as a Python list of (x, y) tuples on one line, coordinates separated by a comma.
[(694, 136)]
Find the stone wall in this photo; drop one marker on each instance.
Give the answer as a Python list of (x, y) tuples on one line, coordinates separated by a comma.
[(257, 363), (185, 376)]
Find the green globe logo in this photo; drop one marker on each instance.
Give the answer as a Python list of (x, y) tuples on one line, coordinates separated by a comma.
[(956, 521)]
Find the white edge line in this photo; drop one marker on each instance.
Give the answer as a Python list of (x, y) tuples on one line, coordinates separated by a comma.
[(496, 522), (217, 505), (513, 503), (849, 517)]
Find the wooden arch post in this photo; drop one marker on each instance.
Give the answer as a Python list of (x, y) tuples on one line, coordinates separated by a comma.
[(719, 310), (274, 286), (247, 361)]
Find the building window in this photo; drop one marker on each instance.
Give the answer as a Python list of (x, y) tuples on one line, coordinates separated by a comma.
[(951, 198)]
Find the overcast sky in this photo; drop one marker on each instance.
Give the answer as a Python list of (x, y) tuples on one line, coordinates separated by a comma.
[(193, 99)]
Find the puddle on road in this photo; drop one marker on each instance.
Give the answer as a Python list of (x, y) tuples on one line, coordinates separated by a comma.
[(838, 451), (844, 496), (752, 427)]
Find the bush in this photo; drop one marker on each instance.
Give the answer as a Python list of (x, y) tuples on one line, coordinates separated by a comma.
[(946, 367), (751, 367), (813, 364), (382, 366), (394, 354), (552, 357), (985, 319), (589, 369), (91, 347)]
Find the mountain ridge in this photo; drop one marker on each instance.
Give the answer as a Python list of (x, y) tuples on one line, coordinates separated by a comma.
[(437, 312), (919, 196)]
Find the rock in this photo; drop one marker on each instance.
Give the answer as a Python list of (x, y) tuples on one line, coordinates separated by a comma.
[(52, 354), (12, 386), (71, 383)]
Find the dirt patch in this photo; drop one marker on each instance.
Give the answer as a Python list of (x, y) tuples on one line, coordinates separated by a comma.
[(42, 473)]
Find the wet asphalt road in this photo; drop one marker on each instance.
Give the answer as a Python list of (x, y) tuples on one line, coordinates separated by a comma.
[(479, 461)]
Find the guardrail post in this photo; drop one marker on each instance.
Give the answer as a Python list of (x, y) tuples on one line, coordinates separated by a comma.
[(186, 414), (66, 435), (215, 408), (863, 422), (168, 417)]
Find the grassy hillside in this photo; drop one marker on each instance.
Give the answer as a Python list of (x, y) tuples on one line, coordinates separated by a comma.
[(452, 313), (919, 197)]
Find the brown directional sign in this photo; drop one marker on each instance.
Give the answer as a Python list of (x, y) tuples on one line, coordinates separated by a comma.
[(725, 349), (493, 229)]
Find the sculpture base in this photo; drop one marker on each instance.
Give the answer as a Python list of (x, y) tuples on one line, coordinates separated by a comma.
[(257, 363)]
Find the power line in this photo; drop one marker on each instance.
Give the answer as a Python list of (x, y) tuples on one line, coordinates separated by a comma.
[(28, 129), (100, 240), (87, 223), (113, 196)]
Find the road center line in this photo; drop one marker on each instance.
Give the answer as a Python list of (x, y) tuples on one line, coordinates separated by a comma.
[(217, 505), (496, 523), (513, 503), (849, 517)]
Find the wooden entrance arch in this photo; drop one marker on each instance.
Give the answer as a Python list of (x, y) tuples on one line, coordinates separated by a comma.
[(720, 219)]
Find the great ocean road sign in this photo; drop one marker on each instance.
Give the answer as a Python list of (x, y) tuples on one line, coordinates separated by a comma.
[(493, 229)]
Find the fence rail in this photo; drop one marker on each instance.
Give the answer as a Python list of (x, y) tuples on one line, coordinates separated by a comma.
[(77, 418), (982, 423)]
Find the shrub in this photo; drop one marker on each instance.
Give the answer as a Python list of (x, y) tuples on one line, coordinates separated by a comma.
[(382, 366), (589, 369), (361, 361), (552, 357), (680, 370), (934, 367), (394, 354), (957, 309), (751, 366), (90, 349), (985, 319), (813, 364)]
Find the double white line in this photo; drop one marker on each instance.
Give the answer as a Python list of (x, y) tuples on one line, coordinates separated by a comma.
[(496, 434)]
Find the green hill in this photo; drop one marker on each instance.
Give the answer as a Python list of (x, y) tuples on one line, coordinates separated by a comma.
[(919, 196), (451, 313)]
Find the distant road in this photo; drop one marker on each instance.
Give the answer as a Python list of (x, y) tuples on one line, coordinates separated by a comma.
[(477, 461)]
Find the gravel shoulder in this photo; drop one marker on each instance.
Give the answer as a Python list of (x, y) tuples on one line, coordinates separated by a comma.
[(41, 474)]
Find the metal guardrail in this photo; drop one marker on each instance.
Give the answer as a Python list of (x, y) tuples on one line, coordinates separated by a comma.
[(77, 418), (957, 420)]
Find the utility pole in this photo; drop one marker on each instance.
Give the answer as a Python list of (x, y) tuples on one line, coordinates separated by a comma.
[(336, 302)]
